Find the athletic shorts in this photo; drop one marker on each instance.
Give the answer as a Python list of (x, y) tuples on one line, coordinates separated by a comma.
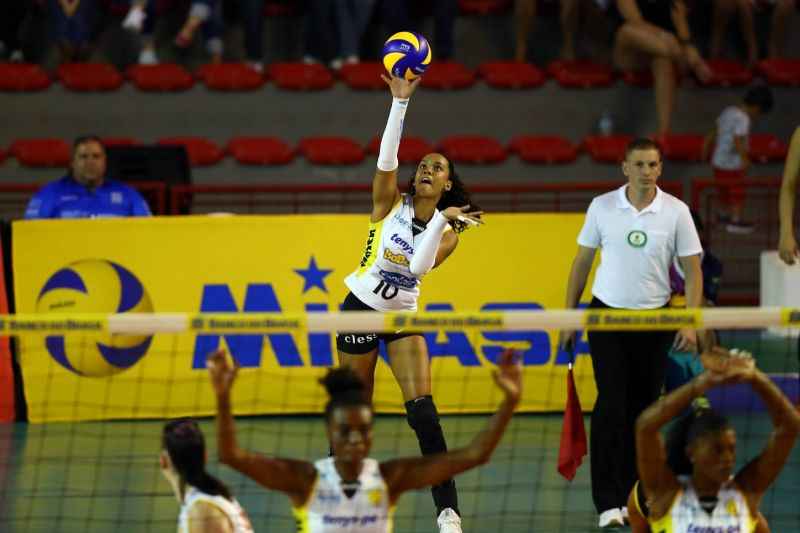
[(358, 343)]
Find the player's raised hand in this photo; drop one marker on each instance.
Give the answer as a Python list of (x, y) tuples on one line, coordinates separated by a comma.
[(221, 372), (463, 214), (400, 87), (508, 375)]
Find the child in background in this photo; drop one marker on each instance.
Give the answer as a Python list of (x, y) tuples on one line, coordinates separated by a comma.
[(730, 159)]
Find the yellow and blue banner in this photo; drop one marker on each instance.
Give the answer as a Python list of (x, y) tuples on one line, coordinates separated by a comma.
[(267, 264)]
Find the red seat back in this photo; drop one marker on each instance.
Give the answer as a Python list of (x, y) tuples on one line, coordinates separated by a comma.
[(260, 151), (548, 149), (412, 149), (201, 151), (607, 148), (230, 77), (581, 74), (165, 77), (472, 149), (364, 76), (511, 75), (445, 75), (300, 76), (331, 150), (89, 77), (42, 152), (23, 77)]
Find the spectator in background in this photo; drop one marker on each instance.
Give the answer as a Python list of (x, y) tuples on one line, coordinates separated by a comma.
[(791, 172), (403, 15), (252, 15), (525, 14), (320, 40), (86, 192), (730, 159), (352, 17), (12, 15), (72, 24), (205, 14), (723, 9), (655, 34)]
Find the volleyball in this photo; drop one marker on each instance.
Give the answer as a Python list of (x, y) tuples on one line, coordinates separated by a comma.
[(95, 286), (406, 55)]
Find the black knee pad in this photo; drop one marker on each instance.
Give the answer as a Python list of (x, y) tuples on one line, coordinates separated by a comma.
[(421, 413), (424, 420)]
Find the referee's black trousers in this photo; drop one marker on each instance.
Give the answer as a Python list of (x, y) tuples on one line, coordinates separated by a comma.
[(629, 370)]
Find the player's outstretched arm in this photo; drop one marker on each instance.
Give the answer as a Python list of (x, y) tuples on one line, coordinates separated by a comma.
[(294, 478), (385, 191), (755, 478), (414, 473)]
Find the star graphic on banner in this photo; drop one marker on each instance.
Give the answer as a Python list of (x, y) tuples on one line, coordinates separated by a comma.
[(313, 276)]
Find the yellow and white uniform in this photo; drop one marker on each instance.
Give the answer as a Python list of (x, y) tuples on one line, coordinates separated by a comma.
[(686, 515), (231, 508), (330, 510), (384, 280)]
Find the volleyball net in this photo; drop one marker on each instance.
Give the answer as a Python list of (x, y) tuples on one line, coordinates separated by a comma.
[(99, 387)]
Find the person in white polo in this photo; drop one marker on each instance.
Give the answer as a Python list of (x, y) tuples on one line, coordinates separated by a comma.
[(639, 230)]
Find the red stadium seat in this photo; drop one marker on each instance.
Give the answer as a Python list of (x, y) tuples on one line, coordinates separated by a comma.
[(472, 149), (445, 75), (581, 74), (301, 77), (279, 8), (3, 155), (483, 7), (90, 77), (331, 150), (547, 149), (164, 77), (364, 76), (41, 152), (781, 71), (260, 151), (412, 149), (727, 73), (681, 147), (607, 148), (23, 77), (120, 141), (511, 75), (230, 77), (201, 151), (765, 147)]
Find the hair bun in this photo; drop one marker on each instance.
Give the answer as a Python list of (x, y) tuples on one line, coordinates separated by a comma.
[(342, 381)]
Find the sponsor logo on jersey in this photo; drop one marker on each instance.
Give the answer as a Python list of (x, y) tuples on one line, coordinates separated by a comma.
[(713, 529), (397, 259), (398, 280), (395, 238), (368, 250), (349, 520)]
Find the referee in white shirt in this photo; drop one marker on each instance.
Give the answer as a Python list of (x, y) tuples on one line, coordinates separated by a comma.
[(639, 229)]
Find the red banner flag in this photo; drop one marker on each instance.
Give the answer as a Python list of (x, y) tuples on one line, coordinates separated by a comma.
[(573, 435)]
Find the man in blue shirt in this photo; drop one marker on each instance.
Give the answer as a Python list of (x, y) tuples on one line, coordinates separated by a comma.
[(85, 192)]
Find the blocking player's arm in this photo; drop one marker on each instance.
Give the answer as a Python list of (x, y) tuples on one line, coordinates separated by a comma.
[(294, 478), (406, 474), (385, 190), (755, 478), (788, 242)]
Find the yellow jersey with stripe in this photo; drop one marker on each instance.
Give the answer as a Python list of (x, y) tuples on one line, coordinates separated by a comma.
[(235, 513), (384, 280), (686, 515), (330, 510)]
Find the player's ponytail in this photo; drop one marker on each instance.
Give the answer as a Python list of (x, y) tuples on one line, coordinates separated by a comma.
[(458, 196), (345, 389), (186, 447)]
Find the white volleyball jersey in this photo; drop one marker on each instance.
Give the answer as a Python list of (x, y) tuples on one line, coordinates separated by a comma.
[(686, 515), (330, 510), (231, 508), (383, 280)]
